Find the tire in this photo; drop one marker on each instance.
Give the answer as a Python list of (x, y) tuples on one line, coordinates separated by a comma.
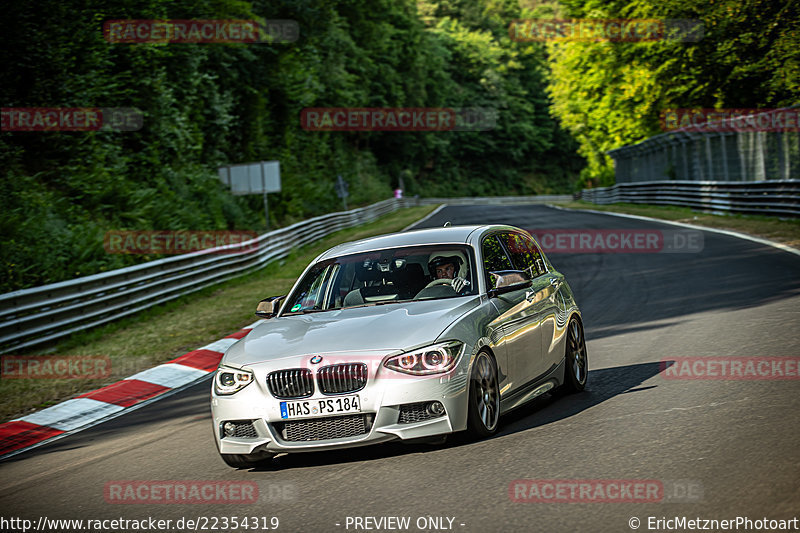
[(484, 397), (238, 460), (576, 360)]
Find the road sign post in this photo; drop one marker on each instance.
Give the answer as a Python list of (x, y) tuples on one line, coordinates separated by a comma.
[(262, 177), (341, 190)]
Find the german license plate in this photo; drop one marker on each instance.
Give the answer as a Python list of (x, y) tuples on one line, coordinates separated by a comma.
[(321, 407)]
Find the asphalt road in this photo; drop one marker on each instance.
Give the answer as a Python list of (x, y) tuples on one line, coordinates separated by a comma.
[(722, 449)]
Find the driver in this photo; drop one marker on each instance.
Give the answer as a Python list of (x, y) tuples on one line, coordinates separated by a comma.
[(442, 266)]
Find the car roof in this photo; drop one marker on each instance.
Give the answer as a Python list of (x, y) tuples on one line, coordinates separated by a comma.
[(448, 235)]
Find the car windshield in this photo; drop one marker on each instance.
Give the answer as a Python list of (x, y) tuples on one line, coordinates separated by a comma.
[(385, 277)]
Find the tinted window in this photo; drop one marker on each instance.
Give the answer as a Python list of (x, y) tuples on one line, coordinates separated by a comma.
[(524, 253), (384, 277), (494, 259)]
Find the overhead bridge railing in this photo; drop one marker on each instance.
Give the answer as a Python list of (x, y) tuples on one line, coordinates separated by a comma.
[(40, 315), (770, 197)]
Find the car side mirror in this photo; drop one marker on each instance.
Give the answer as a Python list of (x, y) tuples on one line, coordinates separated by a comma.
[(509, 281), (269, 307)]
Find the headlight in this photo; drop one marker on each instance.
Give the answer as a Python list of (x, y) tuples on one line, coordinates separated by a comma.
[(429, 360), (230, 380)]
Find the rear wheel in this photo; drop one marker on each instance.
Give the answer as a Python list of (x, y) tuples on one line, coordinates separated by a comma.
[(484, 396), (238, 460), (576, 359)]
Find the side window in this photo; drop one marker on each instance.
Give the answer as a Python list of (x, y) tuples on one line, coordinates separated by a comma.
[(537, 250), (494, 258), (524, 253), (315, 289), (345, 283)]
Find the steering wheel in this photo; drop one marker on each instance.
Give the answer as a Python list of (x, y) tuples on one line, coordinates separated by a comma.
[(440, 281)]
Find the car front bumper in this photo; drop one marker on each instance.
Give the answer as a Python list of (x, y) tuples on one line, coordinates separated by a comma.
[(382, 400)]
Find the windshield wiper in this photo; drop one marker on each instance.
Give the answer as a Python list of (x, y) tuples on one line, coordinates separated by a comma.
[(370, 304), (385, 302)]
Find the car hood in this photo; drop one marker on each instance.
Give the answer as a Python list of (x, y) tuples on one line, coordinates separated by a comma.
[(384, 328)]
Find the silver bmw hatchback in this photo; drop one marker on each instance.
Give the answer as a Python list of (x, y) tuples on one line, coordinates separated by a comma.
[(409, 336)]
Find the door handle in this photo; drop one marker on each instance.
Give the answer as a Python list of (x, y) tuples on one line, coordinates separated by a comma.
[(554, 282), (529, 296)]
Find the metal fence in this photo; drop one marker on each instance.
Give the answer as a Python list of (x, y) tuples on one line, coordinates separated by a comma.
[(705, 152), (771, 197), (495, 200), (40, 315)]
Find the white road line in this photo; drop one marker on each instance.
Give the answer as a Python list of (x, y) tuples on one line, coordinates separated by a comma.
[(423, 219), (730, 233)]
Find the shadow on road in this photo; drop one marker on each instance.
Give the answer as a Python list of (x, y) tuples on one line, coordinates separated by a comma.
[(603, 384)]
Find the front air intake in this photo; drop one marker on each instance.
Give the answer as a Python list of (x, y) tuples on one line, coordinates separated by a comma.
[(342, 379), (291, 383)]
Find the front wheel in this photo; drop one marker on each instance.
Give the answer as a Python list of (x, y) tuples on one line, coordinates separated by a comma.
[(484, 396), (576, 359)]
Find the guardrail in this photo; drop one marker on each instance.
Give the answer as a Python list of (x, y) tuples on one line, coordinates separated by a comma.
[(496, 200), (772, 197), (40, 315)]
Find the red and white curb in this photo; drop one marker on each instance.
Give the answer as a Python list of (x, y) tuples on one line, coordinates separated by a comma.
[(110, 401)]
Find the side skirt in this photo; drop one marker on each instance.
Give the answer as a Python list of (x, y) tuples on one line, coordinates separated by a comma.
[(538, 386)]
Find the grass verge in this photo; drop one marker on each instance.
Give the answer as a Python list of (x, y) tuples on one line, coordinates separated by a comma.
[(167, 331), (783, 231)]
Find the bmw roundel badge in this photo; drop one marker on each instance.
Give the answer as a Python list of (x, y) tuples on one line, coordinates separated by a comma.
[(316, 359)]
